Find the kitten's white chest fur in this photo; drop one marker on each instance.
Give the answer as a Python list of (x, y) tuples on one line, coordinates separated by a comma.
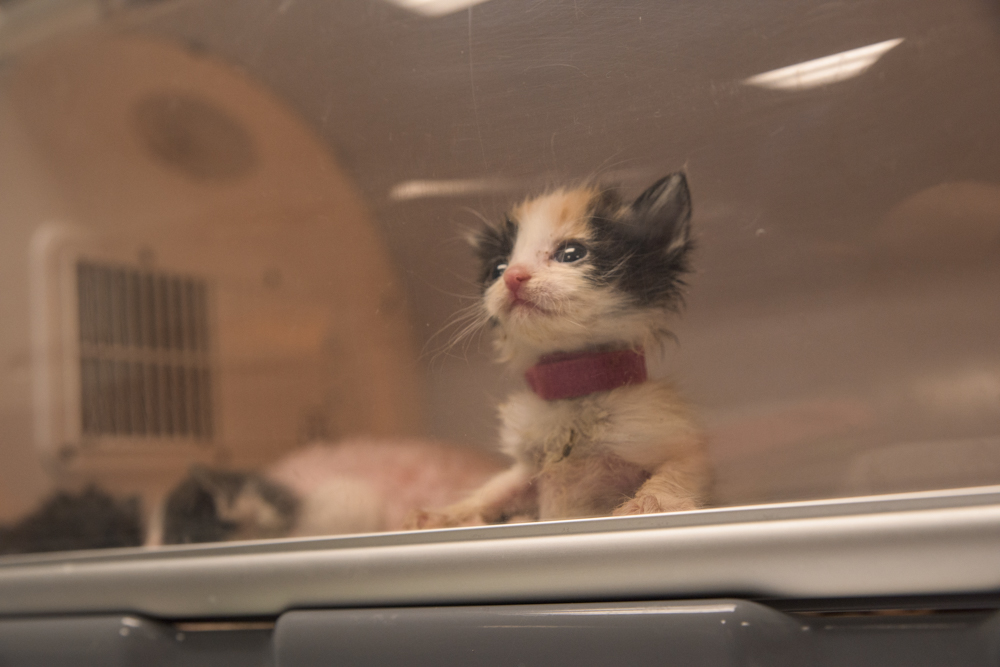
[(589, 455)]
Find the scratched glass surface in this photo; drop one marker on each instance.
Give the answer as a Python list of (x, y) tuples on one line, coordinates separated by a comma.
[(233, 239)]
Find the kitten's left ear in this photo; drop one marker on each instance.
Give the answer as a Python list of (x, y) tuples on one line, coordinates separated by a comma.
[(664, 211)]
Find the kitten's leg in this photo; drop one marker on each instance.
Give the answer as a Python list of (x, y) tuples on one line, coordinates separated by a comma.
[(675, 486), (509, 494)]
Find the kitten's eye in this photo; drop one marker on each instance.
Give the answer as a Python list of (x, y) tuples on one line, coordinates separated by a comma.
[(571, 251), (498, 270)]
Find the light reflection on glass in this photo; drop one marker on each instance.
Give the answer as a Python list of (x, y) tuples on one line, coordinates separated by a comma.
[(825, 70)]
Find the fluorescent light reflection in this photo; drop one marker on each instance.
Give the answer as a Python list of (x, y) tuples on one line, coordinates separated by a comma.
[(435, 7), (457, 187), (825, 70), (491, 185)]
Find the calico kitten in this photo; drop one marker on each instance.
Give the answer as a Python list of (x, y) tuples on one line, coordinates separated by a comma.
[(579, 286)]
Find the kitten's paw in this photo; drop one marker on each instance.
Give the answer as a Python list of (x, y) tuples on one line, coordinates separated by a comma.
[(649, 504)]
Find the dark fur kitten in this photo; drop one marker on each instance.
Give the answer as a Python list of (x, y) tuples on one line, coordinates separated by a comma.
[(91, 519)]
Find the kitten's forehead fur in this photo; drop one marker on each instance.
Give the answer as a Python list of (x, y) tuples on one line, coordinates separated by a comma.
[(553, 217)]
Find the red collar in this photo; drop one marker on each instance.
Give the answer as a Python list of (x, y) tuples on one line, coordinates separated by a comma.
[(571, 375)]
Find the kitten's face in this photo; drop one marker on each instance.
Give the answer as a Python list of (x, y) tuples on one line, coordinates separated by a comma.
[(579, 268)]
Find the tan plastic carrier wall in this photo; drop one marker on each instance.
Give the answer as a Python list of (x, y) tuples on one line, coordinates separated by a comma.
[(141, 153)]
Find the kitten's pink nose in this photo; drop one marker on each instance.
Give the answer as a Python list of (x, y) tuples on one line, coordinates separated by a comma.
[(515, 276)]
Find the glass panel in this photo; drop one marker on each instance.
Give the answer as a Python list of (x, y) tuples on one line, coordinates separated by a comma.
[(239, 302)]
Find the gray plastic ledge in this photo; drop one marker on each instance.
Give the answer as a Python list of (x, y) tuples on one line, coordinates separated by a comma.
[(909, 544)]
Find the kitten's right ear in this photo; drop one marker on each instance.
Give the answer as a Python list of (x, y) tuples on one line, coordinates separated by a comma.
[(663, 211)]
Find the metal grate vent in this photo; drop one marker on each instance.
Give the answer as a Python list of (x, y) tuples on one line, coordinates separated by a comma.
[(144, 353)]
